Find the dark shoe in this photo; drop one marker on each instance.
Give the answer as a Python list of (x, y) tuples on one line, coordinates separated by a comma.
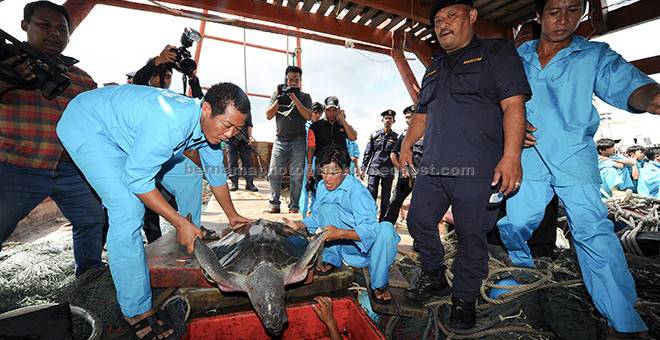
[(272, 210), (428, 285), (463, 314), (251, 187), (294, 211), (234, 186)]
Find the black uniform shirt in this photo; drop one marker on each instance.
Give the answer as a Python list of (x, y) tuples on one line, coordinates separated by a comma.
[(461, 95), (417, 149), (377, 160)]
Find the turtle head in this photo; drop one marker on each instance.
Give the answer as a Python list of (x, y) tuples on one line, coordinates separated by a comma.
[(265, 286)]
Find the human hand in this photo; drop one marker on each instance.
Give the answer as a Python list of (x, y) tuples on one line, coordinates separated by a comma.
[(238, 221), (508, 174), (323, 309), (530, 140), (333, 233), (297, 225), (23, 68), (166, 56), (186, 233), (341, 117), (405, 161), (310, 172)]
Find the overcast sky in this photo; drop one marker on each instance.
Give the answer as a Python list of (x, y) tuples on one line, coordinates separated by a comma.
[(112, 41)]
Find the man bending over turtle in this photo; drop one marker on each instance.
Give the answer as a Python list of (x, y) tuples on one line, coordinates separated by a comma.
[(346, 210)]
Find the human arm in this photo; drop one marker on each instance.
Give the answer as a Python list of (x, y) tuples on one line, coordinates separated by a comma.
[(143, 75), (212, 160), (323, 310), (415, 132), (508, 171), (195, 87), (351, 134), (311, 148), (646, 98), (304, 108), (271, 110)]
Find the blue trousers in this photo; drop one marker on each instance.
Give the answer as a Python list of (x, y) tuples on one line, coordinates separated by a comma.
[(102, 163), (292, 151), (379, 259), (22, 189), (603, 265)]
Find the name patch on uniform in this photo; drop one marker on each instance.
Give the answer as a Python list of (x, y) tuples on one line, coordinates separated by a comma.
[(473, 60)]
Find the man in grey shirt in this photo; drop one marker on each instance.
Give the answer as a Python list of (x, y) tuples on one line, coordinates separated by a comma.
[(291, 108)]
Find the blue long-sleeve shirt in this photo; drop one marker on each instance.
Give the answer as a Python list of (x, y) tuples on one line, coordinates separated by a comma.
[(649, 180), (562, 108), (350, 206), (149, 124)]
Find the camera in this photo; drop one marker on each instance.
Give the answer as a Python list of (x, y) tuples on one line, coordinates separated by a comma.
[(184, 62), (283, 91), (50, 72)]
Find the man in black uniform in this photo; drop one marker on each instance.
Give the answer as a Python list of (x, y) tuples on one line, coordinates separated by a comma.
[(377, 163), (240, 147), (331, 130), (472, 107), (404, 185)]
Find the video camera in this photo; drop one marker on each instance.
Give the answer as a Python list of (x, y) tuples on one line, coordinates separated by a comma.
[(50, 72), (184, 62), (283, 91)]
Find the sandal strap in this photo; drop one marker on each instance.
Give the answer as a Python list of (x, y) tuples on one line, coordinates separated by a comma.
[(153, 322)]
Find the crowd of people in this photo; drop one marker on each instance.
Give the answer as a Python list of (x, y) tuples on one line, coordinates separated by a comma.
[(637, 170), (501, 135)]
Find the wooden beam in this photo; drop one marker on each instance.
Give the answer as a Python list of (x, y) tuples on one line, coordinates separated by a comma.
[(649, 65), (246, 24), (402, 41), (420, 13), (633, 14), (78, 11), (403, 66), (287, 16), (325, 4)]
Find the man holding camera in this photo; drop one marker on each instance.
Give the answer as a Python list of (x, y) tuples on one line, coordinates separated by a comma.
[(291, 108), (158, 72), (33, 164)]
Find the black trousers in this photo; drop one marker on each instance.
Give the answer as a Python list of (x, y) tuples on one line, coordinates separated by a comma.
[(473, 218), (385, 192), (246, 170), (151, 222), (401, 192)]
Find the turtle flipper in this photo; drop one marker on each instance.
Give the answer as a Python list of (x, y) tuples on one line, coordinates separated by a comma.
[(298, 271), (208, 261)]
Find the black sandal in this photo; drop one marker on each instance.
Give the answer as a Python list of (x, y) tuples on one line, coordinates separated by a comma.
[(378, 300), (324, 272), (156, 328)]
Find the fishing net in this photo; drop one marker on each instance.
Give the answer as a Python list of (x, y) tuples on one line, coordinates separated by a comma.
[(554, 304)]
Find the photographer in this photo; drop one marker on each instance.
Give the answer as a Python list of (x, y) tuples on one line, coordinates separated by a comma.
[(241, 148), (291, 108), (158, 72), (33, 164)]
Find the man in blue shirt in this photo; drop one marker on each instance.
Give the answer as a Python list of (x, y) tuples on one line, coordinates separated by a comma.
[(565, 71), (649, 178), (126, 138), (346, 210), (616, 171)]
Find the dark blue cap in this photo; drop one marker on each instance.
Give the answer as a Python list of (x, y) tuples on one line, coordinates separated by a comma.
[(410, 108), (440, 4), (389, 112)]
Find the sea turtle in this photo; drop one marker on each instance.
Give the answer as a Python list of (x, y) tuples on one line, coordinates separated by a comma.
[(260, 258)]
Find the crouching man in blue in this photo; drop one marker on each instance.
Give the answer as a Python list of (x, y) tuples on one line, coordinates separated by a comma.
[(346, 210), (564, 72), (126, 138)]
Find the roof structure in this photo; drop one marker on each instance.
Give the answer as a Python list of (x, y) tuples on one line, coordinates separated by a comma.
[(389, 27)]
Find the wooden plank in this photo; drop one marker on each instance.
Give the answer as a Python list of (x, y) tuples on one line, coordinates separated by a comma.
[(649, 65), (325, 4), (368, 15), (292, 3), (353, 12), (393, 23), (308, 4), (379, 19)]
